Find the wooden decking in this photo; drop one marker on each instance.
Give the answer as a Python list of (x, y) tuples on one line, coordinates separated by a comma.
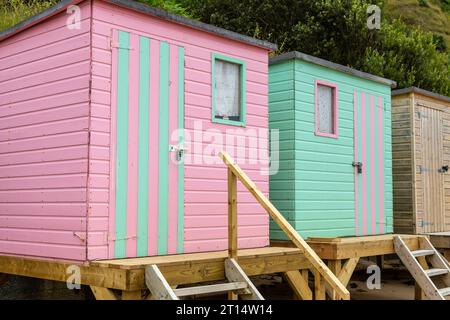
[(441, 241), (128, 275), (354, 247)]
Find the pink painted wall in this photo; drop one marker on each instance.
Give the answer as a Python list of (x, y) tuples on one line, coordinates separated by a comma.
[(55, 151), (205, 185), (44, 122)]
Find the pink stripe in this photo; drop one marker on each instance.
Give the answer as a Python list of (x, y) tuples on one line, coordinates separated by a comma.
[(153, 150), (380, 163), (372, 166), (133, 133), (363, 160), (112, 163), (173, 164), (355, 134)]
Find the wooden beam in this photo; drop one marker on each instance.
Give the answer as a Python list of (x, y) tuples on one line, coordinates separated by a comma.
[(57, 271), (234, 273), (212, 288), (132, 295), (347, 270), (158, 285), (357, 247), (101, 293), (418, 292), (298, 284), (293, 235), (319, 286), (335, 267), (129, 274), (232, 215)]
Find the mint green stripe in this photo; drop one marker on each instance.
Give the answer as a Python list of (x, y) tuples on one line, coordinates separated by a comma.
[(377, 166), (163, 150), (122, 145), (368, 165), (144, 82), (180, 248), (359, 132)]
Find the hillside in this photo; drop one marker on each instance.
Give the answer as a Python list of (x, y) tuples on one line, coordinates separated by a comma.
[(430, 15)]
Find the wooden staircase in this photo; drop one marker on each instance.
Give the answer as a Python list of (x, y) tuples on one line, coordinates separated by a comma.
[(238, 284), (430, 270)]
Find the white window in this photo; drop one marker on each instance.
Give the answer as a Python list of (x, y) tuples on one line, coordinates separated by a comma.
[(326, 109), (228, 91)]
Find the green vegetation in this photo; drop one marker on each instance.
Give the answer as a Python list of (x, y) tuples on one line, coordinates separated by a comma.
[(429, 15), (14, 11), (412, 47)]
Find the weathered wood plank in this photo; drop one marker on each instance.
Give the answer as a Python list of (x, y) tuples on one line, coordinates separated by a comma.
[(299, 284), (103, 293), (309, 253)]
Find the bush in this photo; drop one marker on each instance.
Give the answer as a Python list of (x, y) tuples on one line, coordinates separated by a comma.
[(14, 11)]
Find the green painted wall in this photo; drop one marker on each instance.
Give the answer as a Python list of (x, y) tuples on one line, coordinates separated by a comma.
[(314, 187)]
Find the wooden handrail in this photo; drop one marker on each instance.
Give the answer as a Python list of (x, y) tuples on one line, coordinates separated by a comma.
[(310, 254)]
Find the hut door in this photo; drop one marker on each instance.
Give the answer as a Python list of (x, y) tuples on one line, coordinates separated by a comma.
[(430, 171), (147, 185), (369, 155)]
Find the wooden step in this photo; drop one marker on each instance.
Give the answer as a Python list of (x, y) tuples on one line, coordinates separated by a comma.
[(421, 253), (435, 272), (445, 291), (214, 288)]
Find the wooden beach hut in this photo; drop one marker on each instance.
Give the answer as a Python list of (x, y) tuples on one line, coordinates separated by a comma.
[(335, 168)]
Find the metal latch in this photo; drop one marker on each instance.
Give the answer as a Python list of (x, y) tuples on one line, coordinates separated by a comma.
[(443, 169), (179, 151), (358, 165)]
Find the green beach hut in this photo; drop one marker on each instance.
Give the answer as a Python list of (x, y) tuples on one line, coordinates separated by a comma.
[(334, 174)]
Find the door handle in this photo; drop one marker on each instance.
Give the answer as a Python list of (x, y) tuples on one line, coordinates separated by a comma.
[(179, 151), (443, 169), (358, 166)]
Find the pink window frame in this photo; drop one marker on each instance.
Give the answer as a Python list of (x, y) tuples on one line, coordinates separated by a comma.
[(334, 86)]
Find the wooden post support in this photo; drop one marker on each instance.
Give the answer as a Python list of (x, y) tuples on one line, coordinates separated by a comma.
[(298, 284), (418, 292), (335, 267), (232, 215), (347, 270), (447, 254), (132, 295), (101, 293), (310, 254), (319, 286)]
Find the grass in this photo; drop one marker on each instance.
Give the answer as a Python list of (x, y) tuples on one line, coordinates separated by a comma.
[(429, 15), (14, 11)]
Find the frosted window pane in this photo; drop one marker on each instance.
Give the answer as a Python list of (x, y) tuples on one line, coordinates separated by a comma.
[(228, 93), (325, 110)]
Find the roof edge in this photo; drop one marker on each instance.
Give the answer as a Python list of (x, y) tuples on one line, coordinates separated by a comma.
[(145, 9), (335, 66), (31, 21), (422, 92)]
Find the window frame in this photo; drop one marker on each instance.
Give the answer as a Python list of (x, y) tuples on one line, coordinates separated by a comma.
[(242, 77), (335, 109)]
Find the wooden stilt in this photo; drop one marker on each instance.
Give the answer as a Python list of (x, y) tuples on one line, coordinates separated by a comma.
[(298, 284), (101, 293), (132, 295), (319, 286)]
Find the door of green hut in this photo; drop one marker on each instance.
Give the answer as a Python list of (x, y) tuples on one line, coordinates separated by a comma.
[(369, 154)]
